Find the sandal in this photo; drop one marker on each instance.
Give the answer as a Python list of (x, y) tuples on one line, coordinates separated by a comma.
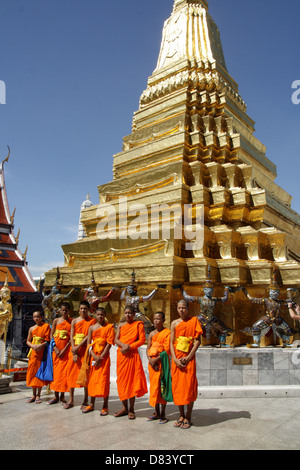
[(30, 400), (163, 421), (131, 415), (152, 418), (87, 409), (104, 412), (67, 406), (38, 401), (178, 423), (186, 424), (120, 413), (52, 402)]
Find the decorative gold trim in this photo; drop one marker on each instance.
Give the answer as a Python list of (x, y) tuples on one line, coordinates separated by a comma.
[(153, 137), (139, 188), (152, 165), (113, 254), (159, 121)]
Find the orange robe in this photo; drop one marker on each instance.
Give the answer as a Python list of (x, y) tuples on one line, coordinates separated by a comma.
[(99, 377), (131, 379), (160, 342), (184, 381), (73, 368), (43, 332), (61, 338)]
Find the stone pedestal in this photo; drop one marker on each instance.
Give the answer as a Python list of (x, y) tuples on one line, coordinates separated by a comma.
[(243, 367), (5, 381), (20, 376), (239, 372)]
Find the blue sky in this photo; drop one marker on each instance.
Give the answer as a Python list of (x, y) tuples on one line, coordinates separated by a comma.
[(74, 71)]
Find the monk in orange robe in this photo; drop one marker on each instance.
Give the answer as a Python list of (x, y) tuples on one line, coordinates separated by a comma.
[(185, 340), (79, 331), (37, 339), (158, 341), (131, 379), (101, 337), (60, 332)]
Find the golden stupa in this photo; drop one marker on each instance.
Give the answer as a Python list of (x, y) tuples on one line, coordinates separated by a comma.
[(192, 145)]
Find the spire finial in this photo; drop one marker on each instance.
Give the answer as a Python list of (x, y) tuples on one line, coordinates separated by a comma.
[(12, 219), (7, 158), (179, 3), (190, 34)]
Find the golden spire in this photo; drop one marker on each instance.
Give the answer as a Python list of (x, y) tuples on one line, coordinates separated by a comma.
[(190, 33)]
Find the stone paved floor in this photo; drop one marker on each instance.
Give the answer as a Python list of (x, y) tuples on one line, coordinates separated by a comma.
[(218, 424)]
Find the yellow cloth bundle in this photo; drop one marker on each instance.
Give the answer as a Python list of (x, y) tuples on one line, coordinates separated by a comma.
[(78, 338), (35, 340), (183, 343), (62, 334)]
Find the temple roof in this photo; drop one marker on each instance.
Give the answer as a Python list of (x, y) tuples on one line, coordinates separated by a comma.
[(12, 262)]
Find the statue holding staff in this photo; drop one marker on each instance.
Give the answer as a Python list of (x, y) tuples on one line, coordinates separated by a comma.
[(210, 323), (134, 301), (272, 320)]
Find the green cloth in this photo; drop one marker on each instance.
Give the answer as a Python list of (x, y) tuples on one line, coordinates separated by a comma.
[(165, 378)]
